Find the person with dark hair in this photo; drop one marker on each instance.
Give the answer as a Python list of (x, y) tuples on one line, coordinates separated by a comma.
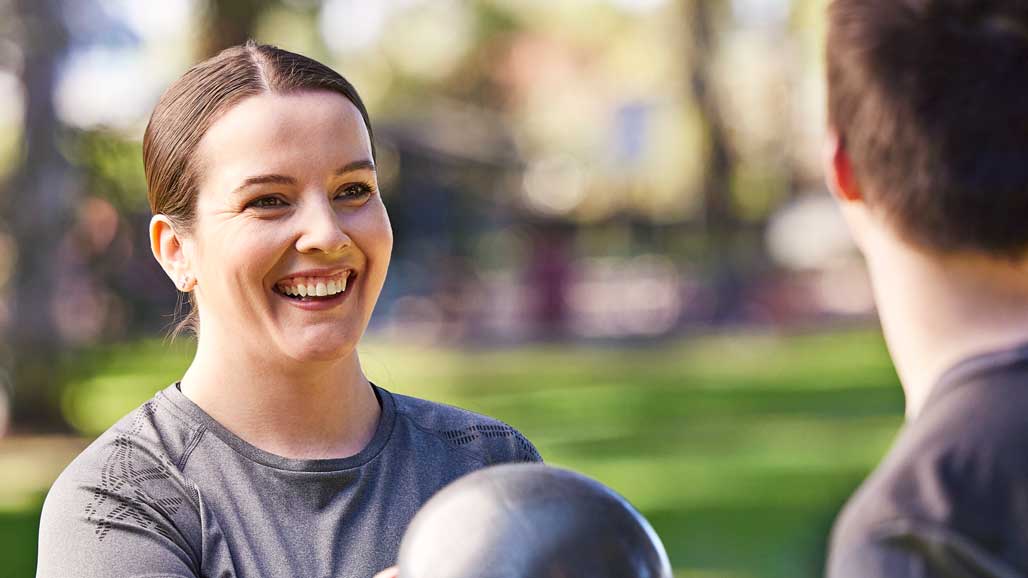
[(273, 455), (928, 157)]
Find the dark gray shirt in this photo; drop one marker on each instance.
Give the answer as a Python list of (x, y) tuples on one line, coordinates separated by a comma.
[(169, 492), (951, 498)]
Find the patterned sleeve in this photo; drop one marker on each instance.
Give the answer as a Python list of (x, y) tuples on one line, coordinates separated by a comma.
[(120, 510), (489, 439), (500, 442)]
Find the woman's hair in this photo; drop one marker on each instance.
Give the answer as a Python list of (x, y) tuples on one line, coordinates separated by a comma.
[(189, 107)]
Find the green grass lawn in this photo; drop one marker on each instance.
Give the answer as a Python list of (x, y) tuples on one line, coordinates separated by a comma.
[(739, 448)]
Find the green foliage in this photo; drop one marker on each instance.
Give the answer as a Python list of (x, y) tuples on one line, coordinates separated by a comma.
[(740, 449), (112, 166)]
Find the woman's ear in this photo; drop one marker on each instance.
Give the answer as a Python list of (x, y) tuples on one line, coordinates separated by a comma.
[(839, 170), (173, 251)]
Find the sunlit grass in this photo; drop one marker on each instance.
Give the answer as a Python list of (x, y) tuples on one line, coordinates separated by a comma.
[(29, 464), (739, 448)]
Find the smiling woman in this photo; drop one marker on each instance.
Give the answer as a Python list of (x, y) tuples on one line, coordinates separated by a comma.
[(273, 455), (288, 194)]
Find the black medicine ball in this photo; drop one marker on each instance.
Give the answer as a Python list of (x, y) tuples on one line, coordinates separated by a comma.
[(530, 521)]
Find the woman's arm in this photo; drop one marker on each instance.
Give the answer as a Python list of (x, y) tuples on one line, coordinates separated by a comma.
[(120, 510), (86, 531)]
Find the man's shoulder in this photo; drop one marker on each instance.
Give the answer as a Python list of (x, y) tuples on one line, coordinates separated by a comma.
[(948, 480), (492, 440), (946, 464), (911, 548), (969, 442)]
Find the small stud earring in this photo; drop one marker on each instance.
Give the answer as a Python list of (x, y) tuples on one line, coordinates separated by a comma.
[(183, 283)]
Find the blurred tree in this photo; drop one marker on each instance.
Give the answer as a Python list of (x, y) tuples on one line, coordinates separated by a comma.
[(38, 209), (718, 215), (231, 22), (721, 225)]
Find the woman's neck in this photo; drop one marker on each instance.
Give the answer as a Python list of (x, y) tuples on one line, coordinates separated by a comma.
[(304, 410)]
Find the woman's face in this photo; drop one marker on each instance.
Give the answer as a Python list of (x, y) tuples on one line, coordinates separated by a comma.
[(289, 213)]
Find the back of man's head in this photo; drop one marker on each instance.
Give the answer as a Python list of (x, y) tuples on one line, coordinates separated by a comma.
[(930, 101)]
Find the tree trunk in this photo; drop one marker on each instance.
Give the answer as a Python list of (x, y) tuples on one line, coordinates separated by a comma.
[(718, 215), (720, 224), (38, 210), (230, 22)]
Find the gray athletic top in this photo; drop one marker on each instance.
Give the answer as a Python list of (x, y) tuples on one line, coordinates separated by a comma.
[(169, 492), (951, 498)]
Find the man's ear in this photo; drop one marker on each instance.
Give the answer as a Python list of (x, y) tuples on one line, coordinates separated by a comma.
[(839, 170), (169, 247)]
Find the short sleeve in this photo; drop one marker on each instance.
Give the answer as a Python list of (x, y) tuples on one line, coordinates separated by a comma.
[(120, 510), (499, 442), (490, 440)]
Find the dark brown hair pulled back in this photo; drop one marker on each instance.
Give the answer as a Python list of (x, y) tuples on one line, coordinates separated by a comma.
[(189, 107)]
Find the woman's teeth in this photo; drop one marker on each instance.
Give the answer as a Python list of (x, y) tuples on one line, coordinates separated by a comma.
[(313, 287)]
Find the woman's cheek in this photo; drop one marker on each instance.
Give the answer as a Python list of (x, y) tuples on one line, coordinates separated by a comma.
[(376, 233), (386, 229)]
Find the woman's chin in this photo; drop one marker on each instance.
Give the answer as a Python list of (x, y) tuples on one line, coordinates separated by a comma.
[(329, 348)]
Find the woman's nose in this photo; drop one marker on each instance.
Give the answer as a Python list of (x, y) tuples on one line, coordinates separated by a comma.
[(321, 229)]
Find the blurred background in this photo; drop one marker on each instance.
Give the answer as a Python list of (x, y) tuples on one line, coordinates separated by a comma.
[(611, 232)]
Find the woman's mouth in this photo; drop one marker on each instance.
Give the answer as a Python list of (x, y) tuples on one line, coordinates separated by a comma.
[(313, 289)]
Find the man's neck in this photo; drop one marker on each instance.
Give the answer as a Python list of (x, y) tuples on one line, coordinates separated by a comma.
[(937, 311), (308, 410)]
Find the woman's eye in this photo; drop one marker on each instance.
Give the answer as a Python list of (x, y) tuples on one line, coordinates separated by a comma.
[(354, 191), (266, 203)]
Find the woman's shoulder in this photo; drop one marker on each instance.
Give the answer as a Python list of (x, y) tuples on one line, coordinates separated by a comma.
[(126, 488), (493, 440), (153, 435)]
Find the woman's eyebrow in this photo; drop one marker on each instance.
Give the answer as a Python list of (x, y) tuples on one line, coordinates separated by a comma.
[(363, 164), (265, 179)]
